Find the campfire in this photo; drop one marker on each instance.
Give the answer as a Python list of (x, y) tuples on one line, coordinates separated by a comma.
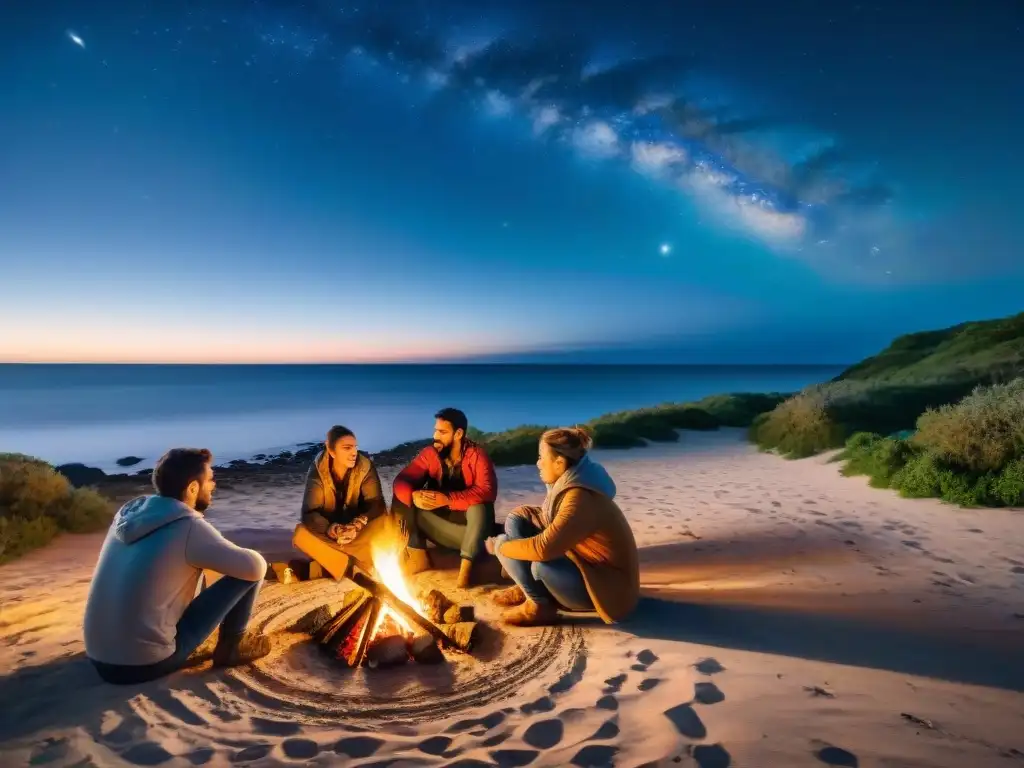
[(382, 624)]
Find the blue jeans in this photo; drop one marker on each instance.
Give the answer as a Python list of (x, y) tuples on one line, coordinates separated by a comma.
[(558, 581), (227, 604)]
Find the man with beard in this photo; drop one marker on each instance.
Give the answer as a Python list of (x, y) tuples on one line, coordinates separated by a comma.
[(343, 508), (143, 619), (446, 495)]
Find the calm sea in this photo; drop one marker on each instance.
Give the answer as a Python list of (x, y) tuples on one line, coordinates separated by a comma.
[(98, 413)]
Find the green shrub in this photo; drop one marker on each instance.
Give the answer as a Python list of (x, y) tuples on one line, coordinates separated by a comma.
[(880, 458), (37, 503), (800, 426), (514, 446), (981, 433), (739, 409), (631, 428)]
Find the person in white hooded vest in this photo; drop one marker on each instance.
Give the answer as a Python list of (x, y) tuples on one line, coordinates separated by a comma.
[(143, 618)]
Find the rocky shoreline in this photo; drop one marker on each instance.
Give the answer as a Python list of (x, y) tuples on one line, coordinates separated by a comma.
[(234, 473)]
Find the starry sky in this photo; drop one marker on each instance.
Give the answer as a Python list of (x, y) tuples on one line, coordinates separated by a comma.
[(519, 180)]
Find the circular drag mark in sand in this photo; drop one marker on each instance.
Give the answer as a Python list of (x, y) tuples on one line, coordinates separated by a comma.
[(297, 676)]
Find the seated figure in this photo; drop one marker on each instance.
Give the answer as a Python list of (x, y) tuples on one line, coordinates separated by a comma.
[(577, 551), (446, 495), (143, 618), (343, 507)]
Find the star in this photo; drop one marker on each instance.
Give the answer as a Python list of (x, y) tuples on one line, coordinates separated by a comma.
[(665, 249), (76, 39)]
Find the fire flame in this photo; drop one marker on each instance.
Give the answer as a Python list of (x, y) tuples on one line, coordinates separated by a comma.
[(387, 551)]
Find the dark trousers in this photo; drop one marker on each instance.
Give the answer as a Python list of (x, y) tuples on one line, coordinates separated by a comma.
[(558, 581), (464, 531), (227, 604)]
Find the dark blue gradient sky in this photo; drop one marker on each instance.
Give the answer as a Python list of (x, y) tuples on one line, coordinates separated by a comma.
[(285, 181)]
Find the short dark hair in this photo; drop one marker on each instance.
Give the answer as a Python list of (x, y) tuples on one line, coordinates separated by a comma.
[(455, 417), (335, 433), (177, 468)]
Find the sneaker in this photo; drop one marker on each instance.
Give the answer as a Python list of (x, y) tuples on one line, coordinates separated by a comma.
[(242, 649), (203, 653), (509, 598)]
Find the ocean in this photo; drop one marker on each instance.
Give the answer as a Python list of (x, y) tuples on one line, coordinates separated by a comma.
[(96, 414)]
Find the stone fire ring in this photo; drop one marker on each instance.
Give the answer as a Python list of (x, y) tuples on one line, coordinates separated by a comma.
[(298, 677)]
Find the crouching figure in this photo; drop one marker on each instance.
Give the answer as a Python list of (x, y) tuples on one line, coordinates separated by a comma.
[(577, 551)]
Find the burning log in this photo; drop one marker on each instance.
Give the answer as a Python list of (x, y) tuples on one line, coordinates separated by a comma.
[(387, 651), (462, 633), (436, 605), (424, 650), (406, 612), (459, 613)]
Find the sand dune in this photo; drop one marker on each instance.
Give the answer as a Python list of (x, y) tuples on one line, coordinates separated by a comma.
[(792, 617)]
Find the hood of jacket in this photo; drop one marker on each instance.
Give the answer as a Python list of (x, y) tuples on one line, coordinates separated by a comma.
[(587, 474), (140, 517)]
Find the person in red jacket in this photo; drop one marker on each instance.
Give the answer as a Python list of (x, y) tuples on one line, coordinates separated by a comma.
[(446, 495)]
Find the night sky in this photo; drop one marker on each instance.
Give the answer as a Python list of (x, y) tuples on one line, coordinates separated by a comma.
[(585, 180)]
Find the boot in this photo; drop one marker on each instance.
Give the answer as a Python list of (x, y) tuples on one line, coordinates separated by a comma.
[(465, 580), (509, 598), (416, 561), (203, 653), (233, 651), (531, 614)]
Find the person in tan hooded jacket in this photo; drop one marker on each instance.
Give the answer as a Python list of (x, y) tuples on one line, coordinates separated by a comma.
[(576, 551), (343, 507)]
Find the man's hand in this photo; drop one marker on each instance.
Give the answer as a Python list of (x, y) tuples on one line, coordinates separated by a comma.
[(491, 545), (429, 499)]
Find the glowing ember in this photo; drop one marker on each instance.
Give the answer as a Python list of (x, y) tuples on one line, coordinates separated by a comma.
[(387, 562)]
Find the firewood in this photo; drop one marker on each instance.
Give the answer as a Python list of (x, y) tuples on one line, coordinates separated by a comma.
[(463, 634), (408, 613), (457, 613), (424, 650), (343, 620), (359, 653), (436, 605), (388, 651)]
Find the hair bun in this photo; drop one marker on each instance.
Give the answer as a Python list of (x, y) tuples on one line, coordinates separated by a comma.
[(583, 435)]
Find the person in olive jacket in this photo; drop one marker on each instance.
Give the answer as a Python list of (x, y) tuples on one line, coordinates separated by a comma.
[(343, 507)]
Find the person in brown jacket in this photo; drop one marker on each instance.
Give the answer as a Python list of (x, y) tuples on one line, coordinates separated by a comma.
[(343, 507), (577, 551)]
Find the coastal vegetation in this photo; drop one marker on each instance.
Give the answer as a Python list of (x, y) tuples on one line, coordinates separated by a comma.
[(635, 428), (936, 414), (37, 503)]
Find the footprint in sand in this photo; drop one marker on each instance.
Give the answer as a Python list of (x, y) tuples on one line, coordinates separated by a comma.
[(252, 752), (266, 727), (358, 746), (513, 758), (544, 734), (490, 721), (707, 693), (300, 749), (543, 704), (708, 667), (614, 684), (686, 721), (609, 729), (608, 702), (648, 684), (838, 757), (595, 756), (710, 756), (435, 745)]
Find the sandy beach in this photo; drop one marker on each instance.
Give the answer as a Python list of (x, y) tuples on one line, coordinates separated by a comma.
[(792, 617)]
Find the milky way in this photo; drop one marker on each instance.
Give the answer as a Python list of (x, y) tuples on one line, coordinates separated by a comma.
[(816, 204)]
